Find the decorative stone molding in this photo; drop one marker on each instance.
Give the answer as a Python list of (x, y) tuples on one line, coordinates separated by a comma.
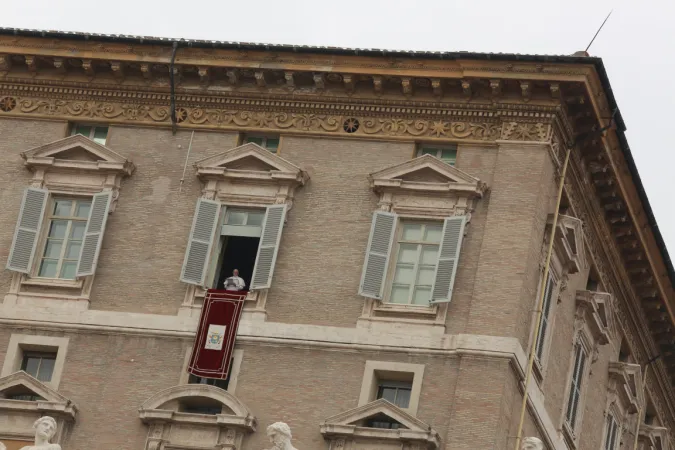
[(250, 175), (625, 381), (77, 165), (422, 188), (347, 430), (595, 309), (569, 243), (653, 438), (170, 428), (22, 414), (18, 343)]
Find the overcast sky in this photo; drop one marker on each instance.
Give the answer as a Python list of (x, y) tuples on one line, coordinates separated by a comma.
[(637, 44)]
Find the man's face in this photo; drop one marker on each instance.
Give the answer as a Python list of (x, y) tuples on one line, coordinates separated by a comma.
[(530, 446), (276, 438), (235, 272), (45, 429)]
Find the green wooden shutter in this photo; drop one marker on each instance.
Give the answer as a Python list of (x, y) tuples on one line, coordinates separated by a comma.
[(27, 230), (448, 258), (93, 234), (377, 254), (200, 242), (268, 247)]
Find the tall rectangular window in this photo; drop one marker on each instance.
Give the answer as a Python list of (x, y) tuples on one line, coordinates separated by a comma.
[(96, 133), (446, 153), (396, 392), (544, 320), (65, 232), (575, 386), (271, 143), (39, 365), (612, 433), (416, 261)]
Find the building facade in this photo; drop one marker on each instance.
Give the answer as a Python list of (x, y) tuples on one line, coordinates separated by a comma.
[(390, 213)]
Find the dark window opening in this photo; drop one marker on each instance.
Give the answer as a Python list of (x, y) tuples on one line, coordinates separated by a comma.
[(39, 365), (624, 352), (382, 421), (200, 405), (20, 392), (593, 283), (238, 252)]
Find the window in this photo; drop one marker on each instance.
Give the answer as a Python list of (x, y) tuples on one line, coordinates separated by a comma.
[(575, 387), (200, 405), (382, 421), (447, 154), (65, 232), (416, 261), (396, 392), (544, 321), (271, 143), (223, 384), (611, 433), (39, 365), (96, 133)]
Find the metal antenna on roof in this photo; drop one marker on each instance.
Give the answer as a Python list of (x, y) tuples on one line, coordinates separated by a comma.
[(598, 32)]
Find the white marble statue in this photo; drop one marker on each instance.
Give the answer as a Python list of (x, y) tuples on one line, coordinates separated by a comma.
[(280, 436), (2, 446), (45, 429), (532, 443)]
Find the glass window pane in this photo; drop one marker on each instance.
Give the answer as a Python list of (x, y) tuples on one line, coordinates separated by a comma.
[(402, 398), (30, 366), (432, 233), (68, 270), (407, 253), (53, 249), (46, 369), (449, 156), (255, 140), (62, 208), (48, 268), (399, 293), (77, 230), (83, 130), (236, 218), (255, 218), (426, 276), (429, 255), (412, 232), (388, 394), (100, 134), (428, 151), (422, 295), (404, 274), (73, 250), (272, 144), (82, 209), (57, 229)]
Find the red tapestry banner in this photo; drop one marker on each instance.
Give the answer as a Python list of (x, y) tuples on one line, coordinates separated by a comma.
[(216, 333)]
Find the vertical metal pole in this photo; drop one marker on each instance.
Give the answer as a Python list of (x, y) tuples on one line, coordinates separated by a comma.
[(540, 303)]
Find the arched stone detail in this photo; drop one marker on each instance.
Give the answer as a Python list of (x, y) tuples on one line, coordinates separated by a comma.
[(197, 390)]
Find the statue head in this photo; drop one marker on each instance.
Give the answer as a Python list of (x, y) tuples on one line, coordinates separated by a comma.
[(279, 434), (2, 446), (532, 443), (45, 428)]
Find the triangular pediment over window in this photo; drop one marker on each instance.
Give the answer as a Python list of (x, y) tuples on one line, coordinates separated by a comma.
[(21, 392), (249, 161), (77, 152), (427, 173), (380, 421), (626, 379)]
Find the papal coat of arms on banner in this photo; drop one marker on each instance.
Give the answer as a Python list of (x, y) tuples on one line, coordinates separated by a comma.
[(215, 337)]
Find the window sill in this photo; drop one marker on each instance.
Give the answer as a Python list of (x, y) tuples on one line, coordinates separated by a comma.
[(412, 311), (52, 282), (538, 371)]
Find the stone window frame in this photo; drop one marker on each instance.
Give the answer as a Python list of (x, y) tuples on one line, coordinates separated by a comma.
[(593, 326), (235, 368), (568, 257), (19, 343), (369, 383), (66, 178), (227, 430), (455, 197), (614, 412), (651, 436), (231, 187)]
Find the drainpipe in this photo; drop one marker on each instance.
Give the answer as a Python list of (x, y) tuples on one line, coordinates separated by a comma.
[(173, 88), (642, 407)]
